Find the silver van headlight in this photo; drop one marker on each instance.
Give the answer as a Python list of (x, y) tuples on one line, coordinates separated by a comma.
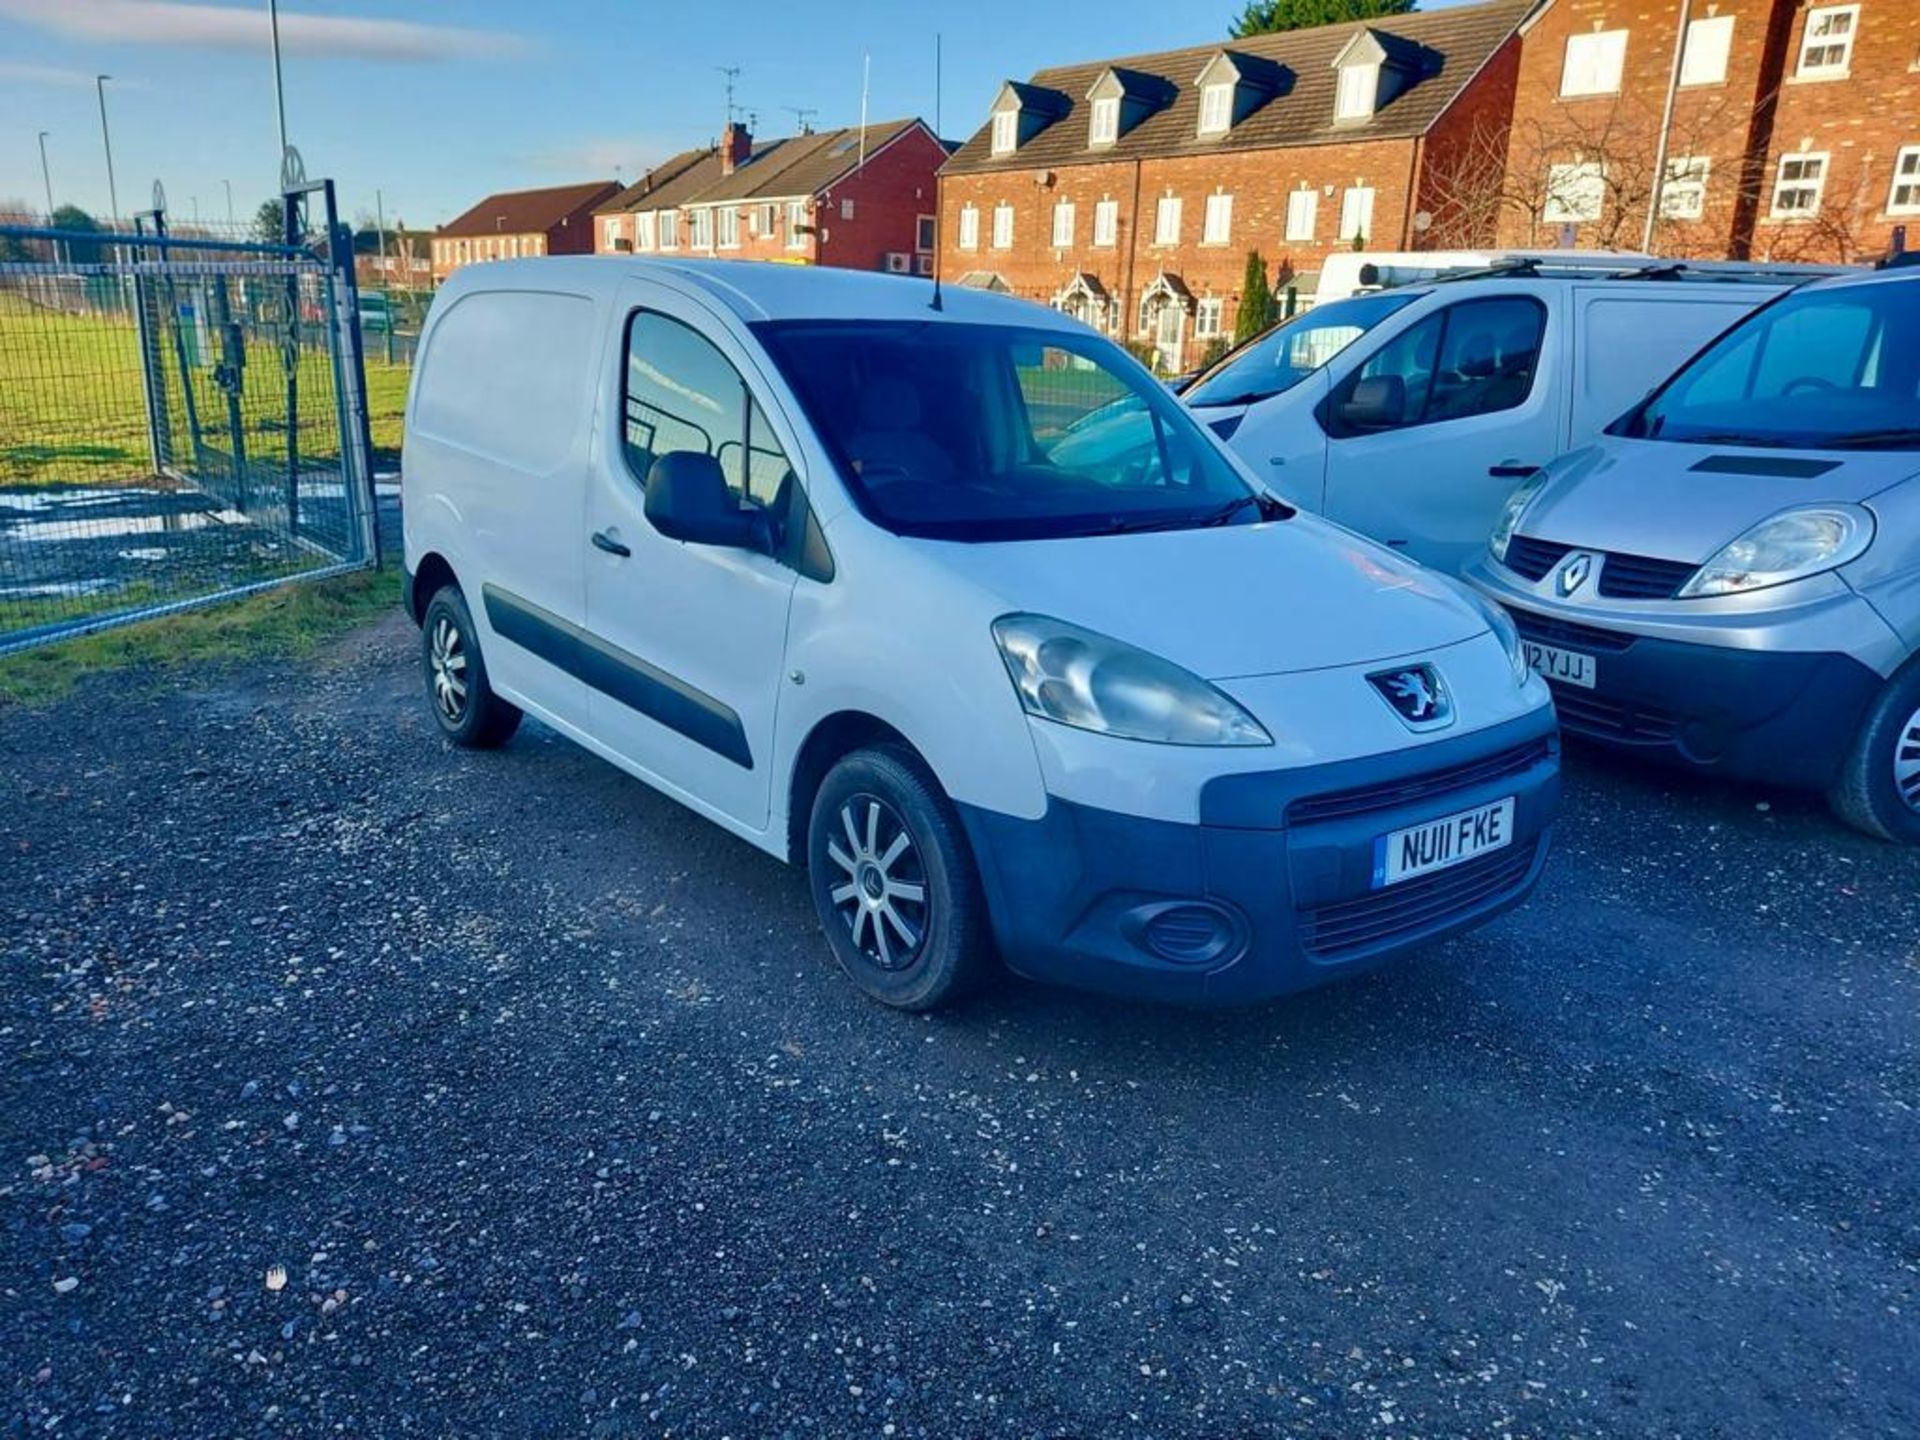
[(1091, 682), (1511, 512), (1789, 546)]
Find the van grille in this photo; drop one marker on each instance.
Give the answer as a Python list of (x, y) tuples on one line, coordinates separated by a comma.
[(1587, 714), (1391, 794), (1416, 907), (1622, 577)]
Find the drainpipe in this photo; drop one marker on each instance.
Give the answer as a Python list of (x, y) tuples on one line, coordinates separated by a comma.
[(1666, 127), (1127, 315)]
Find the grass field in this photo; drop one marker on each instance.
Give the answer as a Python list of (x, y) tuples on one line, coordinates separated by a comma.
[(288, 620), (72, 409)]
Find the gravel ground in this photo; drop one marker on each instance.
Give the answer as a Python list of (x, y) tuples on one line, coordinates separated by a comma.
[(546, 1098)]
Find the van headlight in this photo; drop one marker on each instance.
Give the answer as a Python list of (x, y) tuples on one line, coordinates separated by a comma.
[(1511, 512), (1076, 677), (1789, 546), (1505, 631)]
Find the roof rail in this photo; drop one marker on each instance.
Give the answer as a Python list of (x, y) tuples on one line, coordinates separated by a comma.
[(1641, 267)]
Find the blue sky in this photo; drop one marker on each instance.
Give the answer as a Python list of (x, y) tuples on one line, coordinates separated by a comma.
[(436, 104)]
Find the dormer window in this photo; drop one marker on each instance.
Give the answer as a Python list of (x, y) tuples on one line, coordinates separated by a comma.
[(1105, 125), (1359, 86), (1006, 132), (1216, 109)]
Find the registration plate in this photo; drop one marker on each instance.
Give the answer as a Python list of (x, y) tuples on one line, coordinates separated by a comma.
[(1569, 667), (1438, 844)]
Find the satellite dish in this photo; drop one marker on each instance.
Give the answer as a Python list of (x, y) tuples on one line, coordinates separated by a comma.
[(159, 198), (293, 170), (1423, 220)]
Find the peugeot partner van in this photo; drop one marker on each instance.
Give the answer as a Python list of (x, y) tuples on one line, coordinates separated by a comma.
[(1730, 576), (1409, 414), (831, 559)]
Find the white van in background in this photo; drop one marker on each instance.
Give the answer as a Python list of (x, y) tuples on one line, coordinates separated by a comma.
[(1410, 414)]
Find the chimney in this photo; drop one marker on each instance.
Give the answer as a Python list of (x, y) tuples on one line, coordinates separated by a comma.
[(735, 147)]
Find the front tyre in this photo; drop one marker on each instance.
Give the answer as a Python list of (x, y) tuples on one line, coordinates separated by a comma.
[(893, 881), (1878, 788), (469, 713)]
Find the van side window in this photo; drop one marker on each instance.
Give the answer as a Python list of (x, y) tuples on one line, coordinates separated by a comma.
[(1475, 358), (682, 394)]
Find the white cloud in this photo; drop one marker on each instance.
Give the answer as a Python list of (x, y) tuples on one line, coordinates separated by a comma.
[(15, 70), (228, 27), (631, 156)]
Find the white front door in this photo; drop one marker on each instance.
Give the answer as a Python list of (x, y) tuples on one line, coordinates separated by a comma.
[(1170, 328), (689, 639), (1430, 432)]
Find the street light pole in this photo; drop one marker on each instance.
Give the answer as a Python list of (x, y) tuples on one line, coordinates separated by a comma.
[(46, 175), (229, 185), (106, 141), (279, 96)]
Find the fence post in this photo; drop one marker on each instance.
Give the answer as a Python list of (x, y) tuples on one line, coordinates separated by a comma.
[(152, 378), (357, 431)]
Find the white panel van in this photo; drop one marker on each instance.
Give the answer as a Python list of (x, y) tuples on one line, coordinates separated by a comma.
[(947, 600)]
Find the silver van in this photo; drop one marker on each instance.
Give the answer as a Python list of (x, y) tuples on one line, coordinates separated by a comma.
[(1730, 576)]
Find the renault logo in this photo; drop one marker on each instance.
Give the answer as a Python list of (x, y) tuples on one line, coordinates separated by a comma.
[(1573, 572), (1417, 695)]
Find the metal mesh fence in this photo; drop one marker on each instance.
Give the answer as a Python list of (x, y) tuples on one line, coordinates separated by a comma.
[(171, 430)]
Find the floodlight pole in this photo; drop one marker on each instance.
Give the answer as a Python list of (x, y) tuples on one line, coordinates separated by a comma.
[(106, 141), (279, 95)]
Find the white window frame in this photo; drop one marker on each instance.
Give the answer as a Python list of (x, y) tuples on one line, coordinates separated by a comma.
[(1166, 220), (669, 229), (1593, 64), (1906, 176), (1709, 45), (969, 226), (1356, 213), (1106, 224), (1006, 131), (1827, 67), (1568, 186), (700, 229), (1683, 195), (1216, 108), (799, 216), (1003, 226), (926, 234), (610, 229), (1782, 185), (1064, 217), (643, 230), (1103, 122), (1208, 318), (1357, 93), (729, 227), (1303, 214), (846, 207), (1216, 224)]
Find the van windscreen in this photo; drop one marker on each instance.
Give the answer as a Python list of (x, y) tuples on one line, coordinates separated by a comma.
[(961, 431), (1285, 355)]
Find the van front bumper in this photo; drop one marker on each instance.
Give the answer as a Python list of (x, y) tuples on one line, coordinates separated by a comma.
[(1272, 891)]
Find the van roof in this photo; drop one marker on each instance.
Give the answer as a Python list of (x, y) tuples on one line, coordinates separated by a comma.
[(758, 290)]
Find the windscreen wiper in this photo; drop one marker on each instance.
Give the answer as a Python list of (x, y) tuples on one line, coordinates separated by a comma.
[(1866, 439), (1270, 509)]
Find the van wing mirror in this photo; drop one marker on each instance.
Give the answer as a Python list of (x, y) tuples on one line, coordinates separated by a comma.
[(1375, 403), (688, 499)]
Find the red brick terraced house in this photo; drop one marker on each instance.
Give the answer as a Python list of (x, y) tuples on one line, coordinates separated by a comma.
[(1129, 192), (519, 223), (833, 197), (1793, 131)]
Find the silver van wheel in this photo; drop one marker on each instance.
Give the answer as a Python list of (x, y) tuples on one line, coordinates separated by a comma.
[(447, 657), (881, 893), (1906, 762)]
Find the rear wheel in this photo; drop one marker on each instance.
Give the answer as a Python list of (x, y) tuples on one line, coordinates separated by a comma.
[(1878, 789), (469, 713), (893, 881)]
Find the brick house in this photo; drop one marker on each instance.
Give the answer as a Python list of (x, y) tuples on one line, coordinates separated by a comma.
[(1129, 192), (519, 223), (832, 197), (1794, 130)]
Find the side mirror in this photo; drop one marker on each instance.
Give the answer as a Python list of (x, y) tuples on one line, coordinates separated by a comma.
[(1375, 403), (688, 499)]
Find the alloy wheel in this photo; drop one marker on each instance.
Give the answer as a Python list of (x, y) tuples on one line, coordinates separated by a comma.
[(447, 659), (881, 894), (1906, 762)]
